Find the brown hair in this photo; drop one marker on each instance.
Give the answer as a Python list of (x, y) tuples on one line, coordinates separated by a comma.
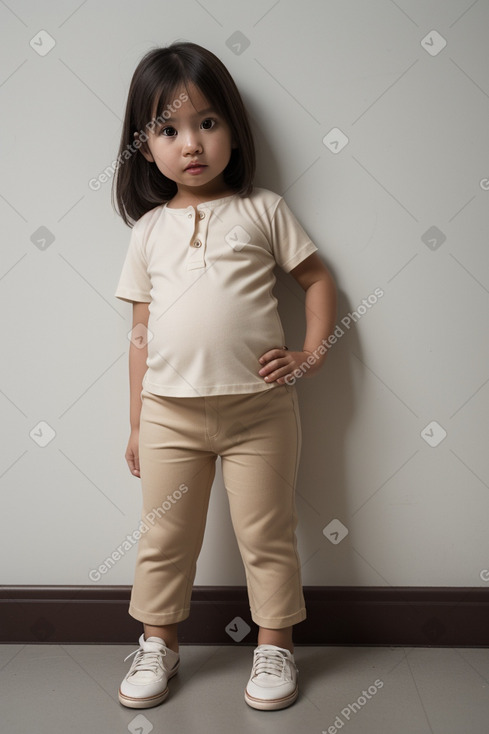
[(138, 185)]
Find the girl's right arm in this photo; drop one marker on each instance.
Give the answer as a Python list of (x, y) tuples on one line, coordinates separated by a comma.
[(137, 369)]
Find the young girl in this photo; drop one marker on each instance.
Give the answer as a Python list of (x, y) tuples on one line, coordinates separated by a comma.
[(209, 373)]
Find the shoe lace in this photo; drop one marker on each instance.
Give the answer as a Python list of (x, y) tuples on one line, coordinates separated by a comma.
[(145, 660), (270, 662)]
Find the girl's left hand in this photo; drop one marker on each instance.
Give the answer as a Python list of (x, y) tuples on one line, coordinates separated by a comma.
[(278, 363)]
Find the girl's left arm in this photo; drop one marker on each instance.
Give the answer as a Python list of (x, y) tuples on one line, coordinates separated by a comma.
[(321, 311)]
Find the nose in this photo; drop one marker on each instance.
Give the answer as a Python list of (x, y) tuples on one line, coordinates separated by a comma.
[(192, 144)]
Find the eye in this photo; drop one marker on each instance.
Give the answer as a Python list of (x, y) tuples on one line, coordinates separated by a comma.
[(207, 124), (168, 132)]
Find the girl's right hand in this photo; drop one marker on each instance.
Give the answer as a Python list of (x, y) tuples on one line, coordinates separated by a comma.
[(132, 453)]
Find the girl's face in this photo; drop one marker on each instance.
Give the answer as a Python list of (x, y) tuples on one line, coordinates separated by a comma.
[(192, 147)]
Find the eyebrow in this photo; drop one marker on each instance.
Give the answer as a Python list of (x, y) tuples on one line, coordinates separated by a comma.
[(197, 114)]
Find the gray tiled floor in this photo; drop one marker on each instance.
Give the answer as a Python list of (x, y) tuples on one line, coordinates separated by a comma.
[(73, 688)]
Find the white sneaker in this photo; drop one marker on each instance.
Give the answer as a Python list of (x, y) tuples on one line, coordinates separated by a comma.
[(273, 681), (146, 683)]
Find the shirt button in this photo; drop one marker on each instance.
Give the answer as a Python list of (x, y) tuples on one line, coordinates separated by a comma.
[(197, 243), (201, 215), (189, 215)]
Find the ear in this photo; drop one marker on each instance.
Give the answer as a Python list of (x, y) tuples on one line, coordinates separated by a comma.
[(143, 147)]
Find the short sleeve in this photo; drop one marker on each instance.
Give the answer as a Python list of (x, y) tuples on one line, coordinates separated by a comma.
[(290, 243), (134, 282)]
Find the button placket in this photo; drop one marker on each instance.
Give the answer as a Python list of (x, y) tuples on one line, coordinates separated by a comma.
[(195, 258)]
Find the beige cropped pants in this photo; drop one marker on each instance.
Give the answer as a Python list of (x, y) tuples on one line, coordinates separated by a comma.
[(258, 437)]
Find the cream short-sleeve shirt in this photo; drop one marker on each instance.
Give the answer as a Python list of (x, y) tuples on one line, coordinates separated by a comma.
[(207, 274)]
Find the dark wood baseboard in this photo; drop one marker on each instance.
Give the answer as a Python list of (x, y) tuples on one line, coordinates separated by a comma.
[(339, 615)]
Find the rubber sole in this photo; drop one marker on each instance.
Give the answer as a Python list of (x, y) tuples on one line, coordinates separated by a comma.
[(273, 705)]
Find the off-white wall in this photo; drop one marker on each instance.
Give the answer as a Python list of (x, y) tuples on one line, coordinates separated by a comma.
[(416, 159)]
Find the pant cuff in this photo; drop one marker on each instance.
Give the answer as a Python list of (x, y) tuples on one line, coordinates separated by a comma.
[(276, 623), (158, 620)]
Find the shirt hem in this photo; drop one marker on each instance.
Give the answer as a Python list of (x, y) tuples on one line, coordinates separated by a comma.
[(202, 392)]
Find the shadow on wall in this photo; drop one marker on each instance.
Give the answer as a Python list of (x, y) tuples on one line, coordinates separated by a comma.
[(327, 405), (326, 401)]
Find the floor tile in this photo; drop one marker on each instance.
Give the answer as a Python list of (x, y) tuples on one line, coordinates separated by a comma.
[(355, 690)]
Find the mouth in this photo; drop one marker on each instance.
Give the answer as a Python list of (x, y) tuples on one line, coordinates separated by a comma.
[(195, 168)]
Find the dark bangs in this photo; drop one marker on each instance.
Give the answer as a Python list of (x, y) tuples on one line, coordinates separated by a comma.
[(138, 185)]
